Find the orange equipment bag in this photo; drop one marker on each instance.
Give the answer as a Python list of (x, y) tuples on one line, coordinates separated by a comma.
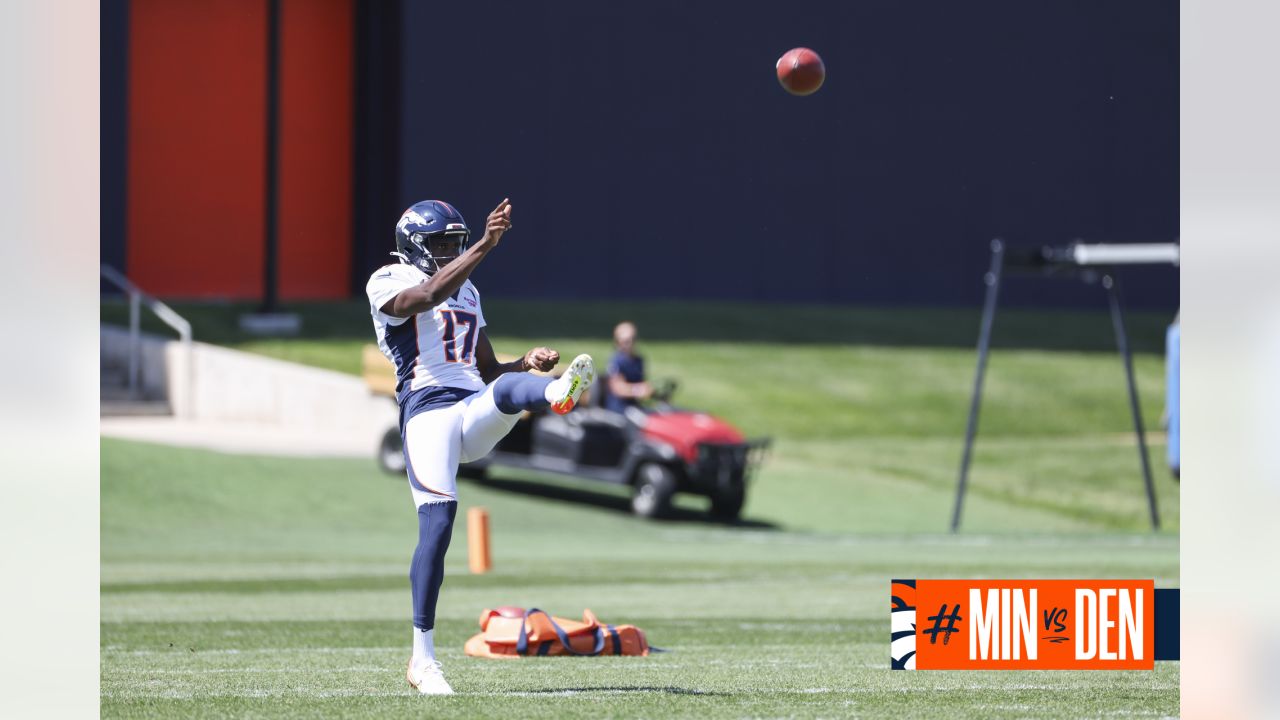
[(533, 632)]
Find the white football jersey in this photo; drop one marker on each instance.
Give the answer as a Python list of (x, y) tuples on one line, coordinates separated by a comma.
[(435, 347)]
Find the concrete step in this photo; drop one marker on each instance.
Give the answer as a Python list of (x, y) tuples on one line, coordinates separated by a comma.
[(115, 400), (133, 408), (257, 438), (120, 393)]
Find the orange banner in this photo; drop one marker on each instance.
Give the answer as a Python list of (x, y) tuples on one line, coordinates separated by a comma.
[(1023, 624)]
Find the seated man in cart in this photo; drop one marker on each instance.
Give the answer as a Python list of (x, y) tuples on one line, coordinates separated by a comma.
[(625, 375)]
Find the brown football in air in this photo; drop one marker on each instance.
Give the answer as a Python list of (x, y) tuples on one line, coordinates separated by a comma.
[(801, 71)]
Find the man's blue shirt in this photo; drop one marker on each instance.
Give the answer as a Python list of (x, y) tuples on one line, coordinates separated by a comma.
[(631, 368)]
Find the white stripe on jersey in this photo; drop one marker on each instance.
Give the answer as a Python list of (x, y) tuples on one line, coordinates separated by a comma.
[(433, 348)]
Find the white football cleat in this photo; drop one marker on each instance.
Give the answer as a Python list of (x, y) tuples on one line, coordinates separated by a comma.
[(428, 678), (565, 390)]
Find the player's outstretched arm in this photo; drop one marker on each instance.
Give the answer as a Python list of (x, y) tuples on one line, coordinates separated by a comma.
[(449, 278), (539, 358)]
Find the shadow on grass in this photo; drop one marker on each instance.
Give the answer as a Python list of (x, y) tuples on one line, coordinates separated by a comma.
[(669, 690), (607, 501)]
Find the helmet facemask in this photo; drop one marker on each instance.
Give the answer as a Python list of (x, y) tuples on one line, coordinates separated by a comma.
[(435, 250)]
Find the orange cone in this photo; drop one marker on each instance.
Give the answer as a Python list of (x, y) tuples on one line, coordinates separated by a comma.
[(478, 540)]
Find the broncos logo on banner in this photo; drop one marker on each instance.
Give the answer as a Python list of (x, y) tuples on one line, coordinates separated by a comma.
[(902, 625)]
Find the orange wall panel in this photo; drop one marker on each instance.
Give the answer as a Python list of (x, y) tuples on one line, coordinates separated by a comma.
[(316, 87), (196, 156), (197, 148)]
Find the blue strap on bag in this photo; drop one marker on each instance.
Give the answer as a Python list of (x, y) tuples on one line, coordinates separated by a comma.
[(522, 643)]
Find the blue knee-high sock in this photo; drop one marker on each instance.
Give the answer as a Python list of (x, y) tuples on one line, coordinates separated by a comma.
[(435, 526), (517, 392)]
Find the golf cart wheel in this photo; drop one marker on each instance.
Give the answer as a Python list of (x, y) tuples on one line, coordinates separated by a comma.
[(391, 453), (655, 485), (727, 504)]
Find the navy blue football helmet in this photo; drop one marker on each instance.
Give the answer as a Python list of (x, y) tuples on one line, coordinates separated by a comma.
[(424, 224)]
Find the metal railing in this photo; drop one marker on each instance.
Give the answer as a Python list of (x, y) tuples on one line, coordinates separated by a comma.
[(138, 298)]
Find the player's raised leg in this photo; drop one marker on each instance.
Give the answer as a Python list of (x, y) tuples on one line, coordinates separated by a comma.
[(492, 413)]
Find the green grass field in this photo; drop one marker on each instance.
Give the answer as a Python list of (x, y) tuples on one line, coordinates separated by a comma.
[(266, 587)]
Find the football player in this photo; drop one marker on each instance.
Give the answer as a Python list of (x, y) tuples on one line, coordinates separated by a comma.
[(456, 400)]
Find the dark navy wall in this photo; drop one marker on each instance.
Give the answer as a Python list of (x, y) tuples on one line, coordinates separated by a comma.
[(114, 81), (377, 137), (649, 151)]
